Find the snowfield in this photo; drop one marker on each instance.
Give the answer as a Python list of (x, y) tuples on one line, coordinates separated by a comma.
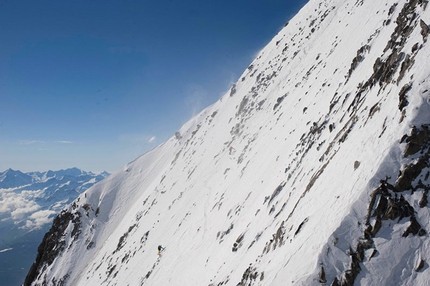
[(326, 184)]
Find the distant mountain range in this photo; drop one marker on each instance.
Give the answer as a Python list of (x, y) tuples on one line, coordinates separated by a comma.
[(28, 204), (17, 179)]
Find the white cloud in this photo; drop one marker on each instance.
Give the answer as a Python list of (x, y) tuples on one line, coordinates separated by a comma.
[(38, 219), (152, 139), (33, 142), (22, 210), (30, 142), (18, 205)]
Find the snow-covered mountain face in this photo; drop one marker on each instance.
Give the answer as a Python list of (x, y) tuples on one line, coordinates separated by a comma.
[(28, 204), (313, 169)]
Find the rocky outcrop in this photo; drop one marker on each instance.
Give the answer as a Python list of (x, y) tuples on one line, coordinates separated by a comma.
[(387, 202), (52, 245)]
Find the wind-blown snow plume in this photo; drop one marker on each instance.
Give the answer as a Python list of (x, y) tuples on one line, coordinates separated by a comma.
[(327, 183)]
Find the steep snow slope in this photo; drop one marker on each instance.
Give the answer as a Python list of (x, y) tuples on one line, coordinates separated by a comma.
[(327, 181)]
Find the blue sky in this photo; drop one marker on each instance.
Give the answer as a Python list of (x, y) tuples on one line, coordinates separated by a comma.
[(95, 84)]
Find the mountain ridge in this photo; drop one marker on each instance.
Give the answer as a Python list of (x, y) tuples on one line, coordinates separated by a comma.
[(328, 171)]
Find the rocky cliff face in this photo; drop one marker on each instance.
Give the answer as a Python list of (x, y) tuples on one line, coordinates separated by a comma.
[(312, 170)]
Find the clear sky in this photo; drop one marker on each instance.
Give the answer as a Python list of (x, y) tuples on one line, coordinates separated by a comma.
[(94, 84)]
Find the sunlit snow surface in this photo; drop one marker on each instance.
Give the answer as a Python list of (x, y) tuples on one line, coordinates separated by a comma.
[(316, 122)]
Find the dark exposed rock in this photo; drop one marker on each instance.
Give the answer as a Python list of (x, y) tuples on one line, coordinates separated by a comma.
[(53, 243), (352, 273), (392, 9), (375, 108), (368, 232), (410, 173), (276, 240), (420, 265), (398, 209), (221, 235), (321, 277), (374, 252), (356, 165), (406, 65), (348, 278), (250, 275), (362, 246), (238, 243), (384, 70), (377, 226), (242, 105), (335, 282), (233, 90), (413, 228), (417, 141), (279, 236), (276, 192), (279, 101), (381, 206), (403, 99), (386, 66), (388, 201), (424, 201), (424, 30), (406, 22), (123, 238), (358, 59), (300, 226)]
